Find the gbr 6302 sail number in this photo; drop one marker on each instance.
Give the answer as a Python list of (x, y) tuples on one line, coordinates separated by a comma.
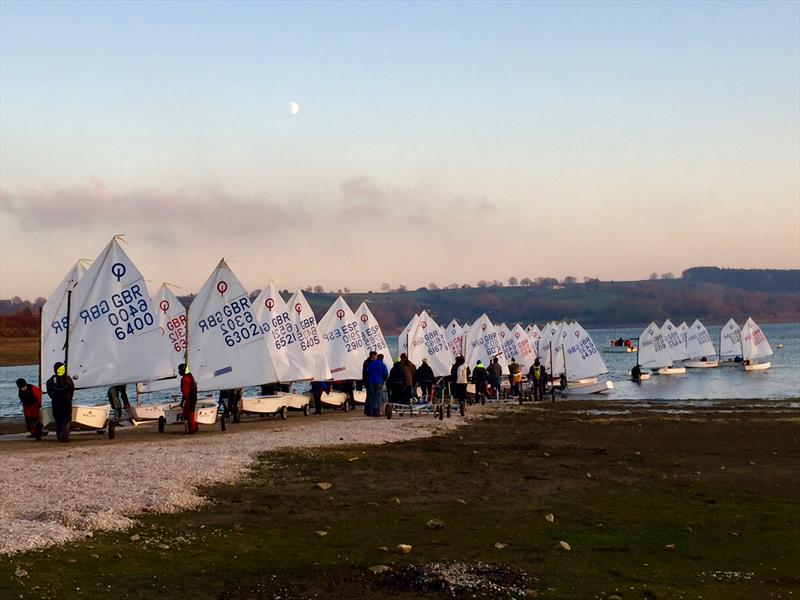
[(235, 321)]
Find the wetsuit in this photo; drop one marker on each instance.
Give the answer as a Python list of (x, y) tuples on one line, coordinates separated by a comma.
[(189, 401), (61, 389)]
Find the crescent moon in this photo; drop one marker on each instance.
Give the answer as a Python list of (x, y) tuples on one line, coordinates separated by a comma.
[(294, 108)]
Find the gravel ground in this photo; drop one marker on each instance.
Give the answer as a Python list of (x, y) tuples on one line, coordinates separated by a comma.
[(55, 493)]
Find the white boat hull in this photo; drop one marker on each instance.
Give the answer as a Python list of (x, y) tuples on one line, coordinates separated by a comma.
[(672, 370), (205, 412), (148, 412), (274, 403), (644, 376), (701, 364), (334, 399), (601, 387), (758, 366), (582, 382), (360, 397), (95, 417)]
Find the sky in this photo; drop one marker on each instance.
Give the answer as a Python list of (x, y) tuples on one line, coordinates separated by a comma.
[(437, 142)]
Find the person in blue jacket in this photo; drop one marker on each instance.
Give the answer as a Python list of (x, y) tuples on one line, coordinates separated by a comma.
[(377, 373)]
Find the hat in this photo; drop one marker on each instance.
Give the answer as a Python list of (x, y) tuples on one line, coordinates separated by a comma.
[(479, 362), (425, 360)]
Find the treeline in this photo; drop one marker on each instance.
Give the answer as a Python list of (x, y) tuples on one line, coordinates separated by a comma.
[(765, 280)]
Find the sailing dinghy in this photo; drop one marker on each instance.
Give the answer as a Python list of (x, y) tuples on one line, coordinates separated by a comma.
[(343, 347), (374, 341), (730, 344), (653, 352), (676, 347), (754, 346), (699, 347), (582, 364), (113, 337)]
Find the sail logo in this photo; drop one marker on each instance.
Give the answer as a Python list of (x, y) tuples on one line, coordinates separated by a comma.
[(340, 313), (222, 287), (118, 270), (164, 305), (298, 308), (269, 303), (364, 318)]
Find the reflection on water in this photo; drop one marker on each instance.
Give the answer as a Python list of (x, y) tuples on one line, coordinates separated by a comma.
[(704, 386)]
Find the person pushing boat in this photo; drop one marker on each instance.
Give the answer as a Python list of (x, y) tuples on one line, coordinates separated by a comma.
[(188, 398), (30, 396)]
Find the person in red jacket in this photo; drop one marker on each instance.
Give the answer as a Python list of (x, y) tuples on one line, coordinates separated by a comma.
[(188, 398), (30, 396)]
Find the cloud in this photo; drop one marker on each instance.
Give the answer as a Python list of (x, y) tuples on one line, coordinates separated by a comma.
[(165, 217), (157, 214)]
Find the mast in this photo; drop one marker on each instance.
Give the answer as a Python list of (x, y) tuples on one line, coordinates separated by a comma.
[(66, 345), (40, 346)]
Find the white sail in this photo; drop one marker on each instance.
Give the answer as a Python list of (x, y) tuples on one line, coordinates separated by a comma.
[(653, 350), (455, 338), (54, 322), (372, 334), (226, 341), (310, 336), (581, 355), (428, 340), (483, 343), (281, 336), (114, 337), (730, 342), (550, 347), (171, 316), (754, 342), (507, 342), (342, 343), (548, 331), (534, 337), (526, 354), (675, 343), (698, 342)]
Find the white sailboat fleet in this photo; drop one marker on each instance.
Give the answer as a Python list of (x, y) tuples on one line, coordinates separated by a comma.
[(106, 327)]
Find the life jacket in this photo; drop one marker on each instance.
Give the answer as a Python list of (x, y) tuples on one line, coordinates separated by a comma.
[(537, 373)]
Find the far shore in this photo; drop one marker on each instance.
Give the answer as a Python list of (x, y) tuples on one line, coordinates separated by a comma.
[(19, 351)]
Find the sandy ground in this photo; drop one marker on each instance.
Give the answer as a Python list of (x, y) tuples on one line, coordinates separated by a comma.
[(52, 493)]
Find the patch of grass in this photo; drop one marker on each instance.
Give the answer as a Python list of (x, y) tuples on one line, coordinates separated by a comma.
[(645, 516)]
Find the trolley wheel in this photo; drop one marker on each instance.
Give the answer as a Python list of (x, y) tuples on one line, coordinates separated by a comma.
[(388, 411), (223, 424), (346, 406), (305, 410), (161, 423), (112, 430), (284, 413)]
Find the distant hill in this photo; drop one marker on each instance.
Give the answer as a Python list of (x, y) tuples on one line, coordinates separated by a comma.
[(709, 293), (764, 280), (601, 304)]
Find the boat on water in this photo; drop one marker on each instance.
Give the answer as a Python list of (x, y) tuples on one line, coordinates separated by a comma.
[(582, 364), (730, 345), (677, 349), (614, 348), (699, 347), (654, 352), (754, 346)]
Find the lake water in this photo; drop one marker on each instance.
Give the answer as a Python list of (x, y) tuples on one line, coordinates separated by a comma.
[(780, 382)]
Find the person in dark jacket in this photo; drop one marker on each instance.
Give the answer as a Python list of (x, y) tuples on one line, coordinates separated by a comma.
[(411, 379), (61, 389), (317, 388), (425, 379), (398, 383), (365, 366), (514, 377), (636, 373), (495, 372), (480, 378), (537, 377), (30, 396), (188, 398)]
